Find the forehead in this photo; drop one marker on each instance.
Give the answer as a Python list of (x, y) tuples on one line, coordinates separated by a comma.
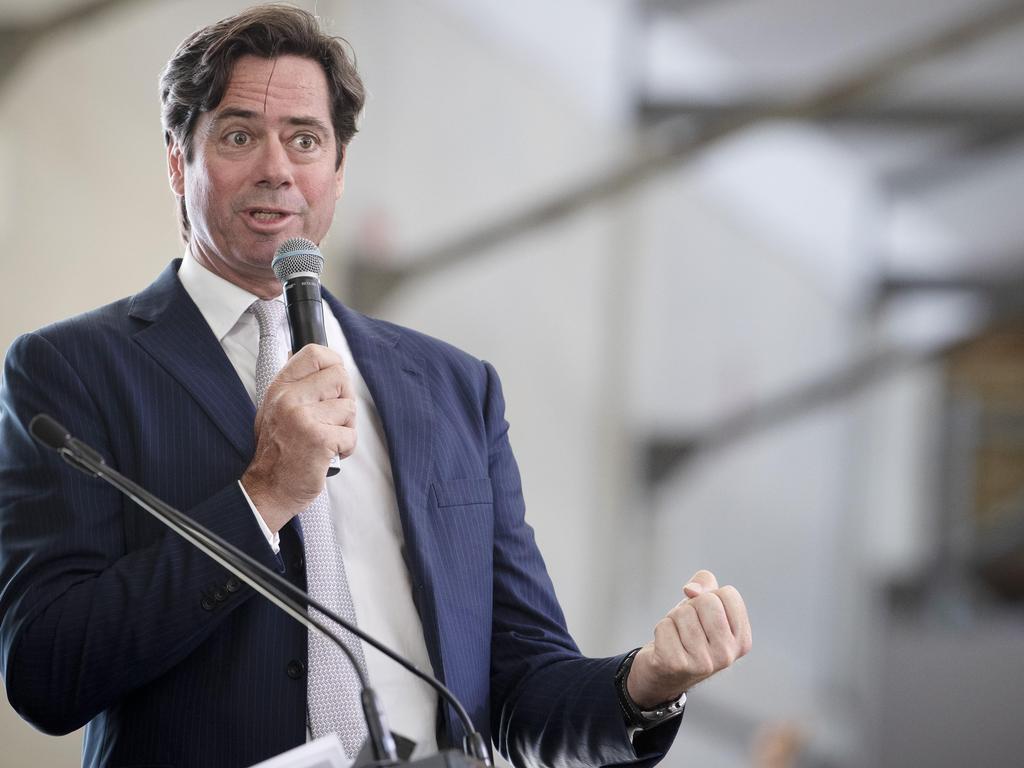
[(287, 86)]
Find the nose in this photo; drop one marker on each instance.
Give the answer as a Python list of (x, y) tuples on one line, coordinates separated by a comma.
[(274, 167)]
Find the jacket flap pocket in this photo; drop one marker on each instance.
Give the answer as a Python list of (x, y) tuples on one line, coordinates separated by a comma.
[(454, 493)]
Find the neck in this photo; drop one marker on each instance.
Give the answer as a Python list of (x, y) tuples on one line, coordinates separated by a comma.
[(259, 282)]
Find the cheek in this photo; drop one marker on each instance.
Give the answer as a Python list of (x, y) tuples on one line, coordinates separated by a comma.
[(321, 194), (210, 191), (196, 195)]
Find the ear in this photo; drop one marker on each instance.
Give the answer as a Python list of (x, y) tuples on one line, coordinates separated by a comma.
[(176, 168), (339, 175)]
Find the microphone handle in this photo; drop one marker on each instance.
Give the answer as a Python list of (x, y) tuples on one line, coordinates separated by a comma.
[(306, 321), (305, 311)]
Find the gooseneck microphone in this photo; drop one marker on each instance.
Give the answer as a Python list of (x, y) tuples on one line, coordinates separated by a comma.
[(81, 456), (298, 264), (274, 587)]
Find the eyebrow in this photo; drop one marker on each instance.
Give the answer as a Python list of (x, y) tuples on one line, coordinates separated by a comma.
[(248, 114)]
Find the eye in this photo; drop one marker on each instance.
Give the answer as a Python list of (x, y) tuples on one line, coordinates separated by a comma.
[(238, 138), (306, 141)]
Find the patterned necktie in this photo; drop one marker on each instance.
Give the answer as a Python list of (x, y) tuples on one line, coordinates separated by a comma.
[(332, 684)]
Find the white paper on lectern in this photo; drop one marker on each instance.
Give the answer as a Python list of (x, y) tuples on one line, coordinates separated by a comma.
[(325, 752)]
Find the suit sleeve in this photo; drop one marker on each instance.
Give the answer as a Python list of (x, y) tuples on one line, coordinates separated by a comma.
[(82, 620), (549, 704)]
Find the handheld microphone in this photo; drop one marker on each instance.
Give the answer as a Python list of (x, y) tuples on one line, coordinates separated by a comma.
[(298, 264)]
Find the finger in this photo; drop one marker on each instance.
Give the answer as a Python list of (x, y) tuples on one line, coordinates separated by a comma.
[(335, 413), (736, 613), (308, 360), (702, 581), (667, 645), (329, 383), (691, 636), (724, 648), (340, 441), (692, 589)]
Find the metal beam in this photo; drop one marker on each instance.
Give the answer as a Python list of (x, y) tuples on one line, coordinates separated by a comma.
[(969, 116), (665, 454), (980, 144), (655, 158), (677, 7), (1005, 285)]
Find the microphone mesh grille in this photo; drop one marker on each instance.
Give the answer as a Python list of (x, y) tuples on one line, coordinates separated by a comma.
[(297, 254)]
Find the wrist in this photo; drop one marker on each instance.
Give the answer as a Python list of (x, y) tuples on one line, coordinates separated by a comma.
[(644, 685), (274, 511), (640, 713)]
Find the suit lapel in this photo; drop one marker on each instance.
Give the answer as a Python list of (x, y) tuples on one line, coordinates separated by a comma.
[(397, 381), (179, 339)]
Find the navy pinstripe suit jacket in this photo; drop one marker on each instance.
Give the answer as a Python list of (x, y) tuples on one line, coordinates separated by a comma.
[(110, 620)]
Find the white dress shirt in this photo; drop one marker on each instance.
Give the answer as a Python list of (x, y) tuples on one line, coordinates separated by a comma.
[(363, 506)]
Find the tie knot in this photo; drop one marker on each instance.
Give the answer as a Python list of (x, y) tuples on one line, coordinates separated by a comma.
[(269, 314)]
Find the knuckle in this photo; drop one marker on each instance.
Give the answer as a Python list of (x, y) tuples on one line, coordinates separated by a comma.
[(676, 614), (674, 664), (347, 445), (677, 668), (285, 401), (704, 665), (707, 602), (324, 441), (723, 657)]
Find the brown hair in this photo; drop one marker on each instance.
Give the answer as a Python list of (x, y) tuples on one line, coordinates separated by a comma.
[(198, 73)]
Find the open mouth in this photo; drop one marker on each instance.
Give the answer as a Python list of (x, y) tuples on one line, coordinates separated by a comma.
[(268, 216)]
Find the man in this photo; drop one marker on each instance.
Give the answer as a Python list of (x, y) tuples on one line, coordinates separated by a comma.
[(109, 620)]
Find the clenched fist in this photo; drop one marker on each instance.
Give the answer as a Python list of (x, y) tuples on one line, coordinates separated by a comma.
[(703, 634), (307, 416)]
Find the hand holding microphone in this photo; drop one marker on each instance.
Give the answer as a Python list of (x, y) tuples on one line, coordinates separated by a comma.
[(306, 420), (298, 264)]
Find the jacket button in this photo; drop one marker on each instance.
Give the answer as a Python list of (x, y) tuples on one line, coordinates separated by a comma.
[(219, 595), (296, 669), (298, 562), (206, 603), (233, 585)]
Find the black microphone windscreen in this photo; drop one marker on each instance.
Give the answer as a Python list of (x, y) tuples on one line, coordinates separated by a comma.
[(48, 431)]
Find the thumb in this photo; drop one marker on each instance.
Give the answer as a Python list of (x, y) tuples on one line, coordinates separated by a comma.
[(702, 581)]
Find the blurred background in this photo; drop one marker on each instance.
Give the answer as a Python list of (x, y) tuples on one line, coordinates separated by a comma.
[(752, 274)]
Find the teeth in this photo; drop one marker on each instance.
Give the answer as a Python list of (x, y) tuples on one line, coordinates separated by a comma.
[(266, 215)]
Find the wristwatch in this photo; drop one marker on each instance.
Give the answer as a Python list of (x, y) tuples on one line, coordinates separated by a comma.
[(643, 719)]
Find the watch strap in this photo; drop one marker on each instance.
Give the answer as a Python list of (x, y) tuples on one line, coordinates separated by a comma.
[(635, 716)]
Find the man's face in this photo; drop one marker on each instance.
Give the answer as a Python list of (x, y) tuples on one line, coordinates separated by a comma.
[(263, 168)]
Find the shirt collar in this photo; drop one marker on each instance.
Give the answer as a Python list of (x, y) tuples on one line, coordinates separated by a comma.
[(220, 302)]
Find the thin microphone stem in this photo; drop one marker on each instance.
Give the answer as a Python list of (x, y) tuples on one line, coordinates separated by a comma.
[(83, 457), (227, 555)]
